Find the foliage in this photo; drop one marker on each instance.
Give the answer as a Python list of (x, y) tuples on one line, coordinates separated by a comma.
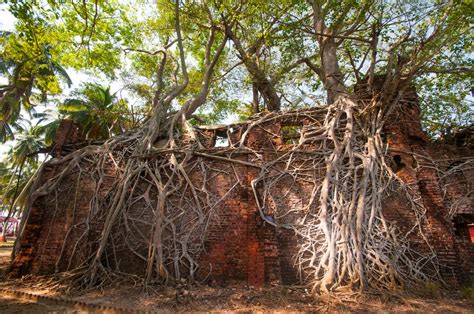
[(468, 291), (125, 39), (22, 163), (9, 193), (48, 38), (446, 103), (97, 111)]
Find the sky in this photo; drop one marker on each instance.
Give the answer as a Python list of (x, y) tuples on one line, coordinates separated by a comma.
[(7, 20)]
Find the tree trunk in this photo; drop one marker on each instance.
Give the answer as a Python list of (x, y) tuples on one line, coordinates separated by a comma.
[(331, 73), (11, 210), (255, 103), (333, 77), (259, 79)]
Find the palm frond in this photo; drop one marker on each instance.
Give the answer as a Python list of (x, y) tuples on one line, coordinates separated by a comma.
[(72, 105), (6, 132), (59, 70), (49, 131), (5, 66)]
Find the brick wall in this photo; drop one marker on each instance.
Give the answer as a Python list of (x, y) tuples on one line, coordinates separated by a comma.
[(420, 164), (238, 245)]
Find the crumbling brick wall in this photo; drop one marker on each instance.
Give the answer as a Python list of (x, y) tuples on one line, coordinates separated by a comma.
[(419, 164), (51, 220), (239, 245)]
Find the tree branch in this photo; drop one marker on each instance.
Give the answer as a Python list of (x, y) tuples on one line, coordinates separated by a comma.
[(458, 70)]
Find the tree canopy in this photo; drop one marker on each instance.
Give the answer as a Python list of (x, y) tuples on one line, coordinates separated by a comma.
[(238, 56)]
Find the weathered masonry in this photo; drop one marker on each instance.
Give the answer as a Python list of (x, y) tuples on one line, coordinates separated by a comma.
[(232, 241)]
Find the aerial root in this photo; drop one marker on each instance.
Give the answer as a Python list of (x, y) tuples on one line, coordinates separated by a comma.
[(159, 210)]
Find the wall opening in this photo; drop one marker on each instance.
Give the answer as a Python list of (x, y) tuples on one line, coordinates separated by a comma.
[(464, 227), (290, 134), (221, 139), (397, 164)]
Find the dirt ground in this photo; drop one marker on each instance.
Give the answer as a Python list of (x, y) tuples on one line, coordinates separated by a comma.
[(217, 299), (10, 304), (235, 299)]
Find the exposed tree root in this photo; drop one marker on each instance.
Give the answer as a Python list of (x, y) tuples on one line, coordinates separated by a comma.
[(345, 241), (148, 200)]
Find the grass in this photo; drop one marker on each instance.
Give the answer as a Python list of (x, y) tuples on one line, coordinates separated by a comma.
[(468, 292), (431, 289)]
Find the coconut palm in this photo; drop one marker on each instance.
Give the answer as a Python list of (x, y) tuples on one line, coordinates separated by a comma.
[(47, 125), (23, 155), (99, 112), (23, 77)]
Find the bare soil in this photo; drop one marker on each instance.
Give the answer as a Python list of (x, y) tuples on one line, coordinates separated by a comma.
[(234, 298)]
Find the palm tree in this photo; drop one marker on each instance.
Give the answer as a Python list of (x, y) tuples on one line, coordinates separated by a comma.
[(24, 153), (99, 112), (23, 77), (48, 130)]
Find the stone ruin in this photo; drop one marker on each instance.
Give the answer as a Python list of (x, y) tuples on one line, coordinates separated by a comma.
[(240, 245)]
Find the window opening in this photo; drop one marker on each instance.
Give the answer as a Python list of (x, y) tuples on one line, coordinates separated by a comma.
[(221, 140), (291, 134)]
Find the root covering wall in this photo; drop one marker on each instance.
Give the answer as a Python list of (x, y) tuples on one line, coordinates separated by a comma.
[(233, 242)]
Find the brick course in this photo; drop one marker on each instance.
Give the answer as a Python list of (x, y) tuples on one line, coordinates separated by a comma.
[(239, 245)]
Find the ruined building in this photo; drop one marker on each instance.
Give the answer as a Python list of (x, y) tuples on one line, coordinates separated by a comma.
[(240, 245)]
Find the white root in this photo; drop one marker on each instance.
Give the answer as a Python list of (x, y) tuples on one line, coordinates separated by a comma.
[(344, 241)]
